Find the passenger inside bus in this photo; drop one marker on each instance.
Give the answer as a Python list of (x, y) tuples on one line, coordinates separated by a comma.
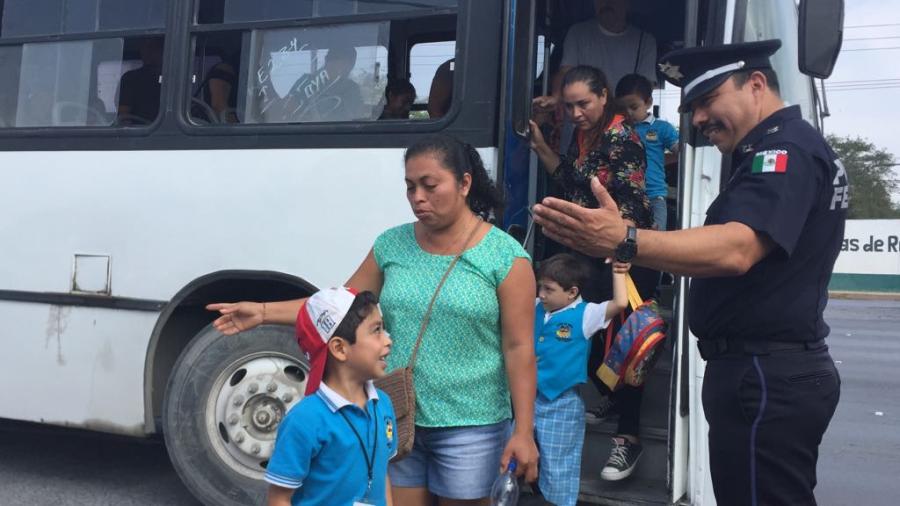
[(138, 99), (441, 95), (609, 42), (399, 96), (219, 89), (340, 99)]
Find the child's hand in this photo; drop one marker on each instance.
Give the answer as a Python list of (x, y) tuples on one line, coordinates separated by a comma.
[(621, 268)]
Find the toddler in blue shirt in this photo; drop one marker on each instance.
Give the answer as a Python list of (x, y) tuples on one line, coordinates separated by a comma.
[(333, 447), (563, 326), (634, 92)]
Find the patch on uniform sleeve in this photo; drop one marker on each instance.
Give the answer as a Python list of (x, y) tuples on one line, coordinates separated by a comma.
[(772, 161)]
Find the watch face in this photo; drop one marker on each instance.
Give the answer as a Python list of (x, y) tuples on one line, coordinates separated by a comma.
[(626, 251)]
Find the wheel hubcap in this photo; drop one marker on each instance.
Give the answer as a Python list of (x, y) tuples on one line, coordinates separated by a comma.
[(248, 402)]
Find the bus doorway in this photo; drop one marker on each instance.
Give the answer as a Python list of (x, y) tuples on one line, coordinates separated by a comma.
[(660, 27)]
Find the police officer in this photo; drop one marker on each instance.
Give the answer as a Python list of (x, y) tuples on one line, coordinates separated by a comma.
[(761, 266)]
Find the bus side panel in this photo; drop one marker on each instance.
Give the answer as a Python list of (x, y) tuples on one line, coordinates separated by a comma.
[(167, 217), (164, 218), (74, 366)]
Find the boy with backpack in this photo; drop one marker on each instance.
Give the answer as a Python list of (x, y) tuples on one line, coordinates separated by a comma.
[(563, 326)]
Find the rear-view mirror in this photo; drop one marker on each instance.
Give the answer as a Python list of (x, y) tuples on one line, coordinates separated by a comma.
[(820, 36)]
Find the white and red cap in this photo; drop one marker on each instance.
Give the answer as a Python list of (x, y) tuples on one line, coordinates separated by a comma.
[(317, 320)]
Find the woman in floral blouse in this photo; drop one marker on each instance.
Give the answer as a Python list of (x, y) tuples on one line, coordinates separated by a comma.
[(604, 146)]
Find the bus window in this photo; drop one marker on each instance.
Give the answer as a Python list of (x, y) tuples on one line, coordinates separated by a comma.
[(87, 80), (246, 11), (431, 67), (78, 16), (328, 72), (100, 82)]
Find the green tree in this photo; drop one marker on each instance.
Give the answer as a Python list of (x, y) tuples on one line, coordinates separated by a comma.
[(872, 181)]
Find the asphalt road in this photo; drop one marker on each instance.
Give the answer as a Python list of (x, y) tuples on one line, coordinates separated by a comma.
[(859, 460)]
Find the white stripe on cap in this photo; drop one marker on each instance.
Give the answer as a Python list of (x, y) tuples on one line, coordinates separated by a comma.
[(709, 74)]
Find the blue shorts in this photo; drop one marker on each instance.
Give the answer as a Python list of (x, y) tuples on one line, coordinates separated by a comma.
[(453, 462)]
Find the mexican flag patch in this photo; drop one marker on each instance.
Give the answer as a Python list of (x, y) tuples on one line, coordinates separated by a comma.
[(770, 161)]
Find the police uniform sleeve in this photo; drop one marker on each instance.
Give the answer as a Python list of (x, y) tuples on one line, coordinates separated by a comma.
[(773, 196), (295, 446)]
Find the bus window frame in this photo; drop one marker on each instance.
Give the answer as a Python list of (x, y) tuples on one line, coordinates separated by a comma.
[(430, 40), (182, 115), (127, 130), (477, 124)]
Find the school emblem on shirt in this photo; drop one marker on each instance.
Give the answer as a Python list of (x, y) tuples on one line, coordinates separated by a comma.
[(389, 429), (652, 136), (772, 161), (564, 332)]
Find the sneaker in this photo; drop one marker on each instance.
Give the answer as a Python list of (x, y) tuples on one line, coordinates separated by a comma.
[(622, 459), (604, 409)]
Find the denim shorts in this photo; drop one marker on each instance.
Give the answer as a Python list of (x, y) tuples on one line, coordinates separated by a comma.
[(453, 462)]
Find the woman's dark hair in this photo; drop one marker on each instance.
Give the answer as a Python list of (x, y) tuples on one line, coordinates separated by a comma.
[(565, 269), (362, 306), (461, 158), (635, 84), (596, 81)]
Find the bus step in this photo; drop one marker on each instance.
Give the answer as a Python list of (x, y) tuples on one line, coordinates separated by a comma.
[(646, 486)]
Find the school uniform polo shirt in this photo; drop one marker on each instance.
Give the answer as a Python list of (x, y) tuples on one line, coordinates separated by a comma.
[(657, 136), (318, 454), (562, 344)]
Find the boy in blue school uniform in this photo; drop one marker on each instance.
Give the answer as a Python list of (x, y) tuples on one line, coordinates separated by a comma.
[(333, 447), (563, 326), (634, 92)]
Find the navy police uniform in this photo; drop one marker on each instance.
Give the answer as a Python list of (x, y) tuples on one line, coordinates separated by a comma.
[(770, 387)]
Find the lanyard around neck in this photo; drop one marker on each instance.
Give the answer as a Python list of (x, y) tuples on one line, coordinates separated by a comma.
[(370, 460)]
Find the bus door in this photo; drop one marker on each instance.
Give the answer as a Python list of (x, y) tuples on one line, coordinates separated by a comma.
[(535, 43)]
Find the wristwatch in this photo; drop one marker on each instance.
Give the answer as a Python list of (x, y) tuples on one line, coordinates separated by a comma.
[(627, 249)]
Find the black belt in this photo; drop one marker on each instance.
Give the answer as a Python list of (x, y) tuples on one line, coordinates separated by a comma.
[(711, 348)]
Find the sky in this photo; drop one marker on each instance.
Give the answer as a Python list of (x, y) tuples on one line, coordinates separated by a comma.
[(863, 92)]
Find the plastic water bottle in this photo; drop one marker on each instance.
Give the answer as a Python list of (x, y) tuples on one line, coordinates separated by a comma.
[(505, 491)]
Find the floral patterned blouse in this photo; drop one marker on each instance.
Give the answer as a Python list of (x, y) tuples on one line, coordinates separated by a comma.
[(617, 158)]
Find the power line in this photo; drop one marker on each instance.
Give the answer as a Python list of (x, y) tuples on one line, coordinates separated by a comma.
[(873, 38), (871, 26), (870, 49)]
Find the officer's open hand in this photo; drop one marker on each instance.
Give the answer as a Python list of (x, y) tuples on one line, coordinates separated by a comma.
[(594, 232)]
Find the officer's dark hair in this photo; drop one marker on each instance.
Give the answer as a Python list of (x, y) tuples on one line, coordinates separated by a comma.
[(597, 82), (635, 84), (566, 270), (362, 306), (461, 158), (399, 87), (741, 77)]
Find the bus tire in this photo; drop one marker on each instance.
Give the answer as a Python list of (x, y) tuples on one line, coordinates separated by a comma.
[(224, 401)]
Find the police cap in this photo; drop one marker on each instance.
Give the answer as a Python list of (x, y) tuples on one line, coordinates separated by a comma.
[(700, 70)]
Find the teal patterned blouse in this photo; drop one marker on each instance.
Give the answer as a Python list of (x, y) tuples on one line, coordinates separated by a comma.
[(460, 374)]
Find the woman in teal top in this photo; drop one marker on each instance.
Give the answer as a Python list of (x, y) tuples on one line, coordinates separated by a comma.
[(476, 363)]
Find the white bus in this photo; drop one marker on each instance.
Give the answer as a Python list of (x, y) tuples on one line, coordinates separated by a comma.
[(158, 155)]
